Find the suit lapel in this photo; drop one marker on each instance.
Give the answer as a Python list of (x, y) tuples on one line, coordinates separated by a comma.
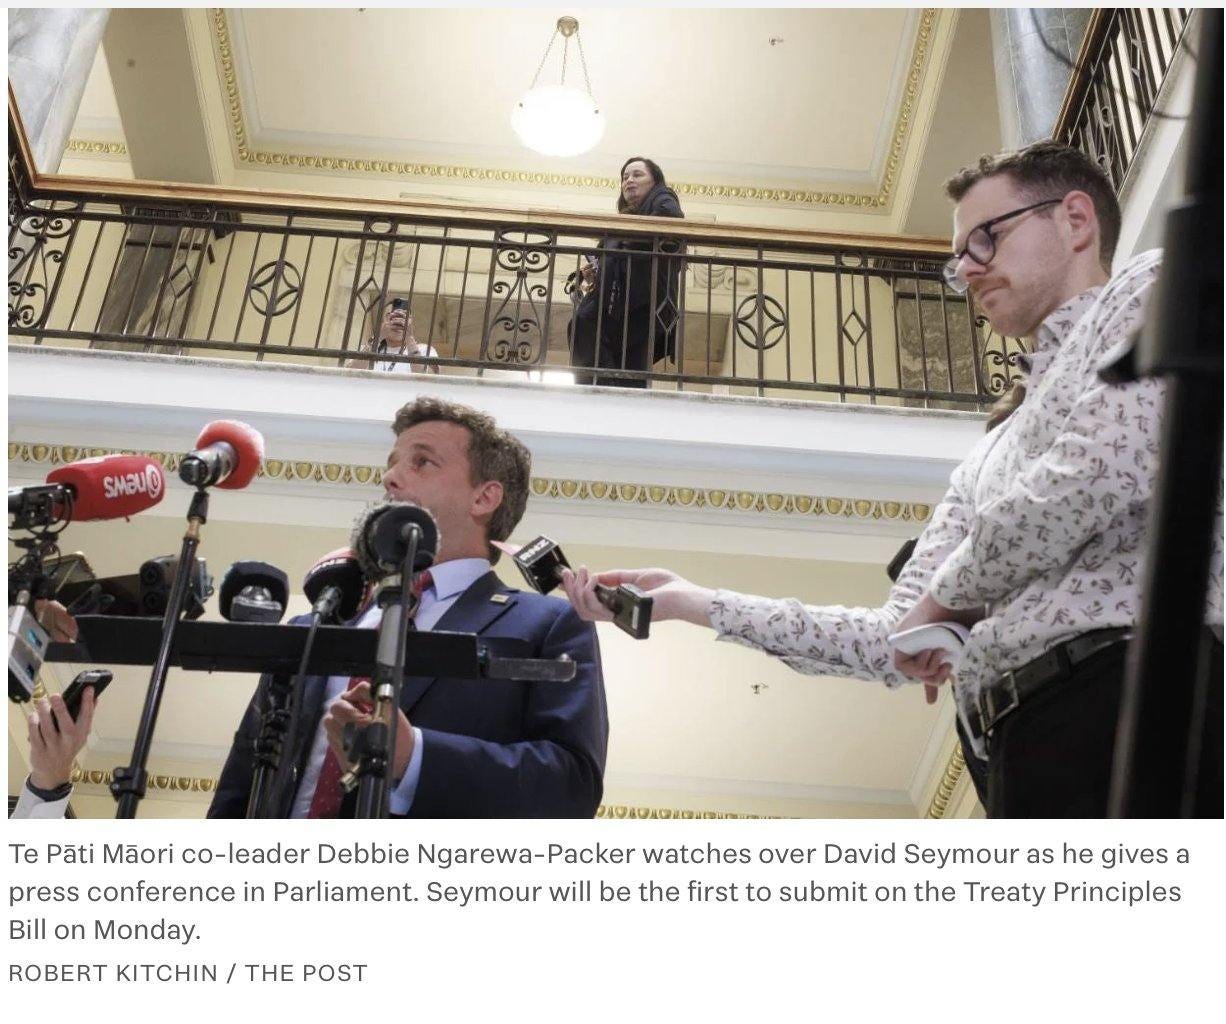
[(473, 612)]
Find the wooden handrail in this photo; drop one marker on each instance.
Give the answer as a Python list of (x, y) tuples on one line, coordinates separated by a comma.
[(1079, 81)]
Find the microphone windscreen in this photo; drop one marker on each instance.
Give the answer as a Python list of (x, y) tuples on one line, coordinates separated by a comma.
[(248, 445), (252, 574), (111, 486), (339, 569), (378, 538)]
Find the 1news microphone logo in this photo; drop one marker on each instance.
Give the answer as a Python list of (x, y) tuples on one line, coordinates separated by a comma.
[(149, 482)]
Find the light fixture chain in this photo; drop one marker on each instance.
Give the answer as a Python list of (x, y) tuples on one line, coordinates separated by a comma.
[(565, 53), (541, 67), (587, 82)]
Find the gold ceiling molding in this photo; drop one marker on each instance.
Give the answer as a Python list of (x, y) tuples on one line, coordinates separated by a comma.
[(623, 812), (809, 197), (609, 812), (229, 81), (660, 495), (90, 147), (902, 129), (731, 500), (166, 783), (954, 769)]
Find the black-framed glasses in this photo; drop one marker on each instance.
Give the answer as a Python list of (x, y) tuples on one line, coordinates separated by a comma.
[(981, 245)]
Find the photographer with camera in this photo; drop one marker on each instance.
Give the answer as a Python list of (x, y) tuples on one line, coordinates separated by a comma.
[(395, 337)]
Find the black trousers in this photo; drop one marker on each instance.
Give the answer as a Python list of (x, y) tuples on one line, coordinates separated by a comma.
[(1052, 757)]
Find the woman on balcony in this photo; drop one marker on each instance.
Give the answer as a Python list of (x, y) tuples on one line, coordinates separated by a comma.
[(627, 304)]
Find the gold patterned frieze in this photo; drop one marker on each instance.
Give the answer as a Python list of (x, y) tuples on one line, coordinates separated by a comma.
[(657, 495), (877, 201), (92, 147), (769, 503), (623, 812), (159, 783), (954, 769), (156, 782)]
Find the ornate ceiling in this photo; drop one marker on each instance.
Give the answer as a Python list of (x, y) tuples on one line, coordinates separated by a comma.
[(814, 109)]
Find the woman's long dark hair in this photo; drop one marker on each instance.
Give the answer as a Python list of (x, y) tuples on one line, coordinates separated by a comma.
[(653, 169)]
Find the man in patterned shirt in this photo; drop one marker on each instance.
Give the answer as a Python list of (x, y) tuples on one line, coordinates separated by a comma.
[(1039, 543)]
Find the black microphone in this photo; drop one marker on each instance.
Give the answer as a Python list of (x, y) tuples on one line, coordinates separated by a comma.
[(37, 505), (335, 585), (380, 538), (542, 563), (253, 592)]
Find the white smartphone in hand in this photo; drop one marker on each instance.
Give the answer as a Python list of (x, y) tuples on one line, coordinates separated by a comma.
[(950, 637)]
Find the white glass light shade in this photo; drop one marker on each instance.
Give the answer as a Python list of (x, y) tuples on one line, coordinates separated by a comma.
[(556, 120)]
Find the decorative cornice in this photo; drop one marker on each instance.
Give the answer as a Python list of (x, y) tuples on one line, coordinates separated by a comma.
[(949, 780), (612, 812), (90, 147), (229, 82), (608, 812), (810, 197), (731, 500), (659, 495), (902, 128), (623, 812), (166, 783)]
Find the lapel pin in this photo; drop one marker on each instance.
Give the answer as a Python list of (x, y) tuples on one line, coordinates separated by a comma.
[(499, 598)]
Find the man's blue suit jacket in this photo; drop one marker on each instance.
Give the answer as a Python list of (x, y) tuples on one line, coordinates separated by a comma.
[(490, 748)]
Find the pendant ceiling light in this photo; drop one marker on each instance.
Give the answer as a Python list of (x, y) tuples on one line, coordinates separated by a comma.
[(559, 120)]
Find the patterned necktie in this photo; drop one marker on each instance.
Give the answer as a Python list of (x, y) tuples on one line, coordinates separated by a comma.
[(329, 793)]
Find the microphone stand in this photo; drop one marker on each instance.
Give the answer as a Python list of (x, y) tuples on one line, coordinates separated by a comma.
[(129, 784), (281, 717), (270, 742), (1166, 703), (373, 749)]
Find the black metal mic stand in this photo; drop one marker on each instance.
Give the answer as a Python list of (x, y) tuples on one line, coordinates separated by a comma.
[(373, 749), (129, 783), (280, 719), (270, 743), (1165, 701)]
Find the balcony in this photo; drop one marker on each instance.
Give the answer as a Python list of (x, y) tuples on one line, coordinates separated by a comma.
[(275, 277)]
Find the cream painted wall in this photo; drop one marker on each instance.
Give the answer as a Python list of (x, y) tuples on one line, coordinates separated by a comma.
[(86, 166)]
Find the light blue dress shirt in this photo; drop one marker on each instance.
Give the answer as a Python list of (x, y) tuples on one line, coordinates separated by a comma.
[(449, 581)]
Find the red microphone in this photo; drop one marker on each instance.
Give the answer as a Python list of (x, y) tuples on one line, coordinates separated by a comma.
[(227, 454), (338, 569), (111, 486)]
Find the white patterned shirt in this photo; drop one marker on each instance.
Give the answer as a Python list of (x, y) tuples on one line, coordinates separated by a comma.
[(1044, 522)]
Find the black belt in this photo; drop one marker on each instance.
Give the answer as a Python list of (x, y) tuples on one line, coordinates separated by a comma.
[(1006, 695)]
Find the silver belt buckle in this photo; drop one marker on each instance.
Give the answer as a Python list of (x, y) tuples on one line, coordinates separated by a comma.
[(985, 702)]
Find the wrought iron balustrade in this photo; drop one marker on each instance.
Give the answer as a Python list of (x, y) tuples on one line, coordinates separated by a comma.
[(1113, 93), (864, 321)]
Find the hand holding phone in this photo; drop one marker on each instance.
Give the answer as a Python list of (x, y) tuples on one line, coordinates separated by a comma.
[(57, 736), (98, 678)]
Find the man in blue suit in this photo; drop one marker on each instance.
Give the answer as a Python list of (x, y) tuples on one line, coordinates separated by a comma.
[(465, 748)]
